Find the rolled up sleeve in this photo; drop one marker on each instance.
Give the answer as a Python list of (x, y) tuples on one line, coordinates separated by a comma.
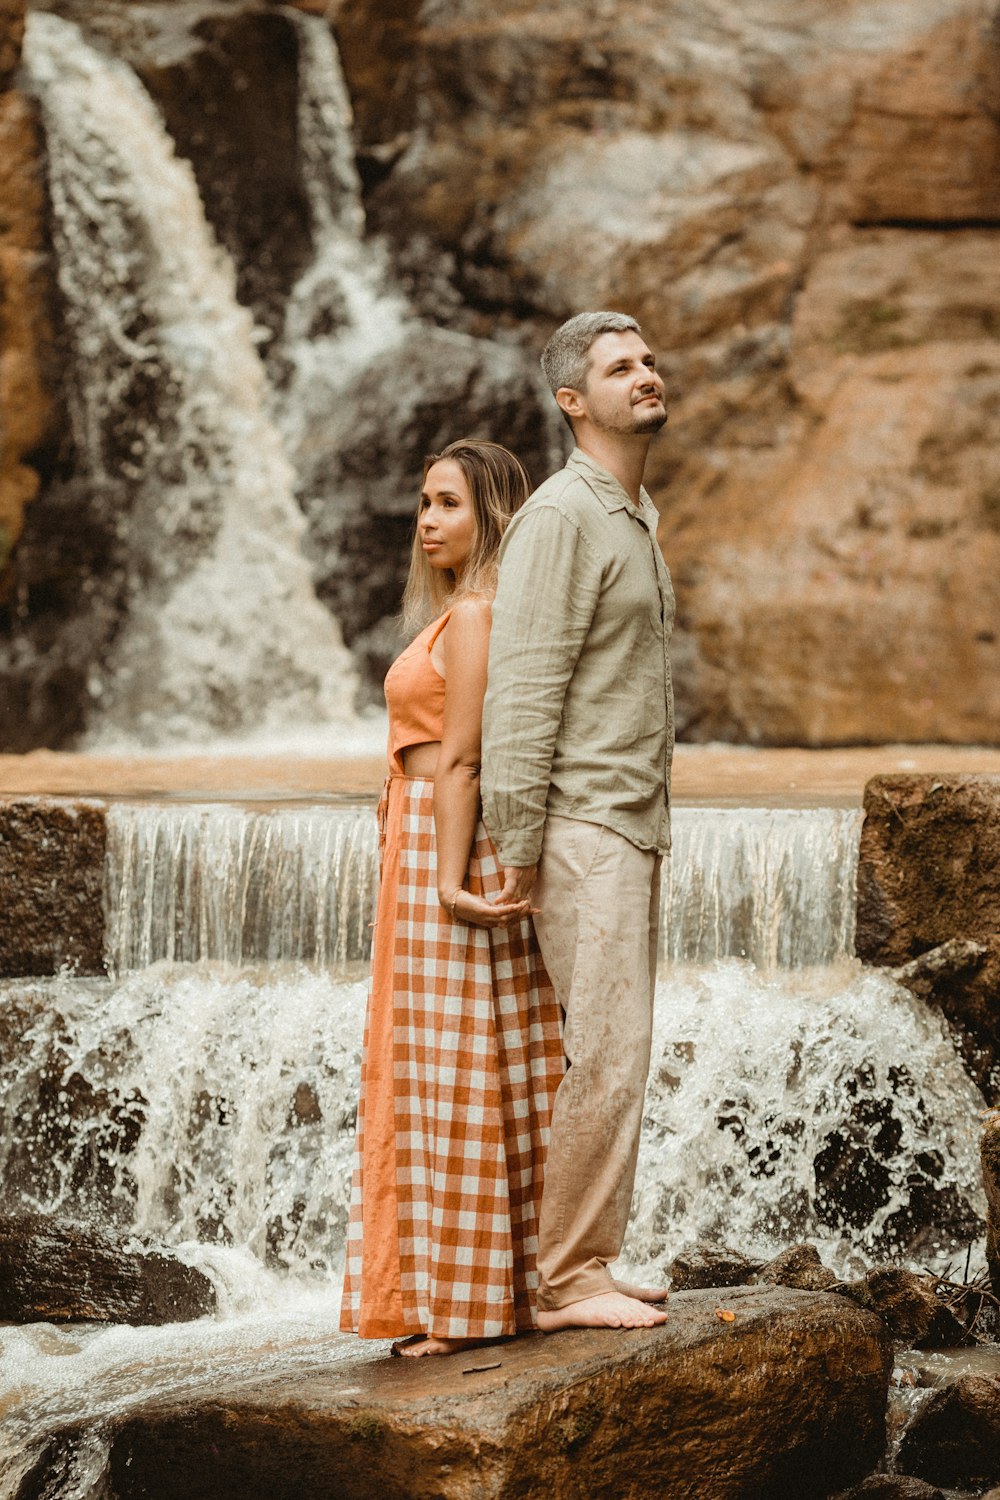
[(549, 585)]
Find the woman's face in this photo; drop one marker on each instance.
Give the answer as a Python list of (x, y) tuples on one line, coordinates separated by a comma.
[(446, 521)]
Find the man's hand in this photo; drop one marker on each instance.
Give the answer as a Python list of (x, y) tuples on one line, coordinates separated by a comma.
[(517, 882)]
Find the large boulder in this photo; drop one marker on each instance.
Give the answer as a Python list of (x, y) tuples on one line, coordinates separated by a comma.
[(785, 1398), (928, 901), (929, 864), (801, 211), (954, 1440)]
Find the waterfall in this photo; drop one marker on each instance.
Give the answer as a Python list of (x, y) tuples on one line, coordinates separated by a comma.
[(221, 631), (194, 883), (341, 313), (208, 1092), (775, 886), (205, 1097), (772, 885)]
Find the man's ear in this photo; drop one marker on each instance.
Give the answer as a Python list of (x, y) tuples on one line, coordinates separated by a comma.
[(569, 401)]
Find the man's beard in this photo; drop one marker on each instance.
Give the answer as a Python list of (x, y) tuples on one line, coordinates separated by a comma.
[(649, 421)]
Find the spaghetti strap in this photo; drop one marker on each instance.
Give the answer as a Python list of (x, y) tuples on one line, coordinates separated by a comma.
[(437, 628)]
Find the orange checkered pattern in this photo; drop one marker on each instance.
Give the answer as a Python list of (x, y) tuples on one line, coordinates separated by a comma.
[(476, 1060)]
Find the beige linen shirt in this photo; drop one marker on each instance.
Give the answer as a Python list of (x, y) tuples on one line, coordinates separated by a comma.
[(578, 720)]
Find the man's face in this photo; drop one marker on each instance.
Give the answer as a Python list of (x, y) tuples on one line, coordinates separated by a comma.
[(623, 391)]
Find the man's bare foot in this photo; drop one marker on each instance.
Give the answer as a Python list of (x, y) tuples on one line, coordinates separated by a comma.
[(642, 1293), (419, 1344), (606, 1310)]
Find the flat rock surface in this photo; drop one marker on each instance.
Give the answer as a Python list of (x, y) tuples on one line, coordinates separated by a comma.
[(786, 1398), (711, 774)]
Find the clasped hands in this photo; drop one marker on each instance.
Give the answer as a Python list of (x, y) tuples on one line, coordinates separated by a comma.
[(511, 905)]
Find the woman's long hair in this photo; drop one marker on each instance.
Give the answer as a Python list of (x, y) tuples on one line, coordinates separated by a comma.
[(499, 486)]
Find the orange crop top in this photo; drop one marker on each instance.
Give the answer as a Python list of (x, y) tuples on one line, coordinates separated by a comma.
[(414, 693)]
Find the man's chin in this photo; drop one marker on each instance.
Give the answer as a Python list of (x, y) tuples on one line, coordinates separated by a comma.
[(646, 422)]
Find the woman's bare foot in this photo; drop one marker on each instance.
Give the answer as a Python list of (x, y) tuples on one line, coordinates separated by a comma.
[(642, 1293), (606, 1310), (420, 1344)]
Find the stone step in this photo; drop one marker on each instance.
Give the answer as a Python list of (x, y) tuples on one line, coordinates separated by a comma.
[(786, 1398)]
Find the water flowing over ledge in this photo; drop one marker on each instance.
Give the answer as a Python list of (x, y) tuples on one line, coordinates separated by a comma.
[(220, 883), (205, 1097), (201, 882)]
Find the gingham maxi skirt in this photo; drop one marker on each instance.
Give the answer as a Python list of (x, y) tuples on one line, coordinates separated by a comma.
[(461, 1061)]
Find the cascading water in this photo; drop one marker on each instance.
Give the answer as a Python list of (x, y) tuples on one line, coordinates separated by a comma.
[(341, 313), (201, 883), (221, 632), (210, 1104), (772, 885)]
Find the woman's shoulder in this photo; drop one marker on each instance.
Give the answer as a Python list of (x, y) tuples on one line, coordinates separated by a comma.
[(473, 609)]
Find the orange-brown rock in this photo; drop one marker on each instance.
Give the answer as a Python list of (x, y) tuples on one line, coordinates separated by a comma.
[(785, 1399), (828, 485), (928, 899), (27, 404), (929, 864)]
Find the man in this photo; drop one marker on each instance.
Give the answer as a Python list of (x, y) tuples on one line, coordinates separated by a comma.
[(577, 744)]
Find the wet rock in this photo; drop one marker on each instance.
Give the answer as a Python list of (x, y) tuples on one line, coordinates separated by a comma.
[(954, 1440), (703, 1265), (51, 886), (57, 1273), (361, 459), (929, 866), (787, 1398), (928, 888), (72, 1461), (892, 1487), (798, 1266), (908, 1305), (989, 1152)]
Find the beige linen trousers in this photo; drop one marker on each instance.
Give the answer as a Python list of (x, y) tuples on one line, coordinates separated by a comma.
[(599, 900)]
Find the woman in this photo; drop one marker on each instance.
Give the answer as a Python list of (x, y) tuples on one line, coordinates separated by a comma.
[(463, 1051)]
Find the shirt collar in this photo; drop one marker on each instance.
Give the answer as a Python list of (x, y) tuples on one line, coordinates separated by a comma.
[(608, 490)]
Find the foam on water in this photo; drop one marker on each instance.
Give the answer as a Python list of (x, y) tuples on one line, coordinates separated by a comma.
[(213, 1110)]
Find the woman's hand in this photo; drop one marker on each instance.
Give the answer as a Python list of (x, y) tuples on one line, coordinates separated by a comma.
[(463, 906)]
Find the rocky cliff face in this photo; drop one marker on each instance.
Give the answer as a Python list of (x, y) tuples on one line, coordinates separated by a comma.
[(800, 202), (801, 205)]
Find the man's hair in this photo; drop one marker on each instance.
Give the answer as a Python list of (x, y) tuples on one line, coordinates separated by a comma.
[(565, 356)]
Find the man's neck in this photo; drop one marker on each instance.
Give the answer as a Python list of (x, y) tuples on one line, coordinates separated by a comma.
[(623, 456)]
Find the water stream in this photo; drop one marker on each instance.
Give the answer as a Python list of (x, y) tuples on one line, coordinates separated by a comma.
[(205, 1095), (220, 630)]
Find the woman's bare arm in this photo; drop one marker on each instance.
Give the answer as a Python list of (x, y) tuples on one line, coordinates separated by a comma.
[(465, 640)]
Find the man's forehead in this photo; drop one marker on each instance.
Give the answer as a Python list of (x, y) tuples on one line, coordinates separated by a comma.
[(612, 345)]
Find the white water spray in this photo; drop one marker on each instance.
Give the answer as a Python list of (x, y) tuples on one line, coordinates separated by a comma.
[(212, 1107)]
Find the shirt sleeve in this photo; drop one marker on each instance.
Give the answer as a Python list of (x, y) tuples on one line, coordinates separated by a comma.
[(550, 580)]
